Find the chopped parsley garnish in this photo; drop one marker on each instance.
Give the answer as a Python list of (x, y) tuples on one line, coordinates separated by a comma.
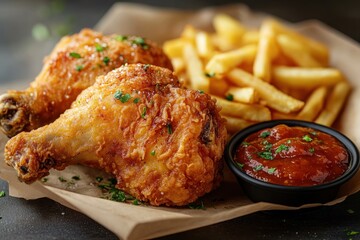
[(264, 134), (288, 141), (153, 153), (121, 38), (77, 178), (146, 66), (75, 55), (307, 138), (210, 75), (197, 205), (79, 68), (352, 233), (136, 202), (311, 150), (99, 179), (169, 128), (106, 60), (122, 97), (229, 97), (136, 100), (271, 170), (245, 144), (2, 194), (114, 193), (61, 179), (281, 148), (240, 165), (313, 133), (99, 47), (44, 179), (143, 113), (200, 91), (258, 168), (268, 145), (266, 155), (141, 42)]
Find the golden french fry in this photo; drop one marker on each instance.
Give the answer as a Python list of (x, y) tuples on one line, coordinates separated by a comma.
[(250, 37), (223, 62), (218, 87), (244, 95), (279, 115), (313, 105), (228, 28), (274, 98), (174, 48), (178, 64), (204, 44), (236, 124), (245, 111), (306, 78), (317, 49), (194, 68), (334, 104), (188, 34), (266, 53), (296, 51)]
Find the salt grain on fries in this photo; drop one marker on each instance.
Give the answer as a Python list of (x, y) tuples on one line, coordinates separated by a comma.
[(258, 75)]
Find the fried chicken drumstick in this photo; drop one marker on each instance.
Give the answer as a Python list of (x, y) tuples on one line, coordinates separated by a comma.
[(73, 66), (163, 143)]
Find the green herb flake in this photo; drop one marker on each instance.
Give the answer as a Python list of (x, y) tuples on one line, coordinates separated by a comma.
[(210, 75), (99, 47), (266, 155), (197, 205), (281, 148), (288, 141), (121, 38), (169, 128), (229, 97), (268, 145), (118, 94), (99, 179), (79, 68), (75, 55), (106, 60), (258, 168), (136, 202), (124, 98), (136, 100), (61, 179), (153, 153), (313, 133), (77, 178), (143, 113), (352, 233), (245, 144), (146, 66), (240, 165), (200, 91), (312, 150), (307, 138), (264, 134), (2, 194), (44, 180), (350, 211), (271, 170), (141, 42)]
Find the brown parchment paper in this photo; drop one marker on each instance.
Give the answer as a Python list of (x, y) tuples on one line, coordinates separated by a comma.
[(142, 222)]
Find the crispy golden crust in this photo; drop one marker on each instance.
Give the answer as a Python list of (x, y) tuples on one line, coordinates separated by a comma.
[(73, 66), (164, 144)]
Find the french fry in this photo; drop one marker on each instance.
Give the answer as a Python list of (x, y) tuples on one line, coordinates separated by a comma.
[(174, 48), (313, 105), (244, 95), (279, 115), (265, 54), (317, 49), (236, 124), (218, 87), (188, 34), (334, 104), (228, 28), (274, 98), (306, 78), (204, 44), (178, 65), (249, 112), (296, 51), (194, 67), (250, 37), (224, 62)]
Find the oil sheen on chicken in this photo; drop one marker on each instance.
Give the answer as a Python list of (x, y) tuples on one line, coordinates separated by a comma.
[(163, 143), (72, 66)]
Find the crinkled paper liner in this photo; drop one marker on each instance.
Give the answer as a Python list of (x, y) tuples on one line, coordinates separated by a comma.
[(129, 221)]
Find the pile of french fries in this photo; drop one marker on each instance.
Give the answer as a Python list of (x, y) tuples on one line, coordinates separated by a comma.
[(259, 74)]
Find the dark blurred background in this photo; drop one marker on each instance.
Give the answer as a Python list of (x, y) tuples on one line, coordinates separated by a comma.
[(30, 28)]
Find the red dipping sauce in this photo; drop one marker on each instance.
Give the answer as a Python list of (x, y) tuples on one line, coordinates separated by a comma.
[(292, 156)]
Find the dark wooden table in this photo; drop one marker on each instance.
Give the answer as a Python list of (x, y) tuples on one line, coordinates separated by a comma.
[(21, 58)]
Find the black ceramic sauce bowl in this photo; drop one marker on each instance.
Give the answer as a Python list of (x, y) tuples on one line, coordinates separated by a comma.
[(259, 191)]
